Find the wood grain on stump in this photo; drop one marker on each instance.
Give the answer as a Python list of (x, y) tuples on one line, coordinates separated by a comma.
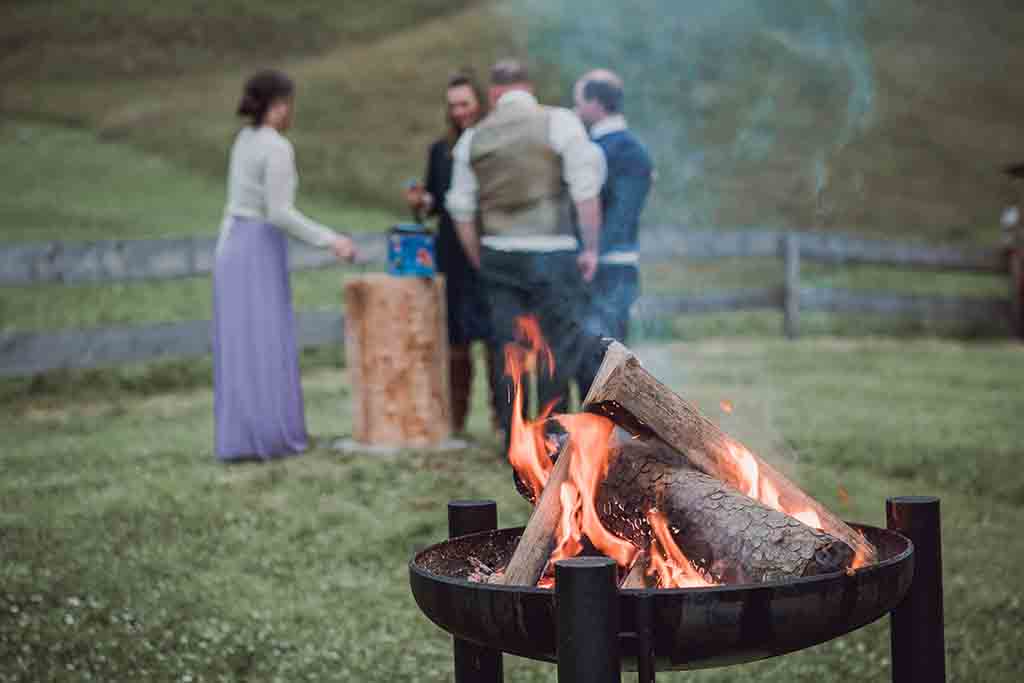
[(396, 349)]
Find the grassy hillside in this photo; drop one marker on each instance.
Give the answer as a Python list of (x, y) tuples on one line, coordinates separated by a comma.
[(369, 100), (882, 117), (71, 184)]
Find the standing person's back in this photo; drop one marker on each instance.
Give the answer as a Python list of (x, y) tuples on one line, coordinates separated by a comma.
[(511, 169), (521, 189)]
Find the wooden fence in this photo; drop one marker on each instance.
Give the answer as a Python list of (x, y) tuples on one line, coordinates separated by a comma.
[(24, 353)]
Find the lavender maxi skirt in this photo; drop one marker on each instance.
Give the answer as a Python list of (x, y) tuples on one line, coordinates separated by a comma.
[(257, 390)]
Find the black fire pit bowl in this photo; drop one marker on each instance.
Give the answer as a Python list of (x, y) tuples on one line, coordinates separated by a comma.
[(693, 628)]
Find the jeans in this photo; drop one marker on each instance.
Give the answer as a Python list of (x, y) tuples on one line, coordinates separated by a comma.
[(613, 292)]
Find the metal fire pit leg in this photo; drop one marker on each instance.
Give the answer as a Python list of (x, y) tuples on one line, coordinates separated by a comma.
[(918, 636), (645, 638), (588, 620), (473, 663)]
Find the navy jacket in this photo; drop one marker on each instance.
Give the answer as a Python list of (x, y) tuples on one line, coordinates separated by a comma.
[(625, 191)]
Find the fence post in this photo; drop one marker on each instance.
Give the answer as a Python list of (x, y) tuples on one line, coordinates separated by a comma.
[(791, 290), (1016, 268)]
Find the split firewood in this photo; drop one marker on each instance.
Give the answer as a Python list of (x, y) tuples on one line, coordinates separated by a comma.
[(628, 394), (728, 536), (637, 576), (538, 539)]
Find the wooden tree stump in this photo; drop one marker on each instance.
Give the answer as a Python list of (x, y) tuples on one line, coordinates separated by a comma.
[(396, 349)]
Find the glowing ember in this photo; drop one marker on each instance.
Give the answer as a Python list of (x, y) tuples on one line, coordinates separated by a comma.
[(726, 406), (844, 495), (668, 563)]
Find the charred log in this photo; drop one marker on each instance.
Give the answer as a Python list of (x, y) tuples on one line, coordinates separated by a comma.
[(628, 394), (730, 537)]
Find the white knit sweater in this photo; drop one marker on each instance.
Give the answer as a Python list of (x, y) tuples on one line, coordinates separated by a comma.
[(261, 184)]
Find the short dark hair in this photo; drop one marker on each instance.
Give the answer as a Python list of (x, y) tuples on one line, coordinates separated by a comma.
[(509, 72), (608, 94), (260, 92)]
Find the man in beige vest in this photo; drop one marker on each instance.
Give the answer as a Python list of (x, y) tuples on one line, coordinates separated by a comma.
[(516, 178)]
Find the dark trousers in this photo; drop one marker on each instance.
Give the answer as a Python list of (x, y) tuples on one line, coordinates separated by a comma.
[(613, 292), (548, 286)]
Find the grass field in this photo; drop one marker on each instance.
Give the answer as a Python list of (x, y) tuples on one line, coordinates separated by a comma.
[(128, 553)]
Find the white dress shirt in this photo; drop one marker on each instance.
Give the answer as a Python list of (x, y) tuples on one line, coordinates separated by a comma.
[(261, 184), (583, 165)]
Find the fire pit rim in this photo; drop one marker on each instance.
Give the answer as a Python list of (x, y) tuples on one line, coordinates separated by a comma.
[(723, 588)]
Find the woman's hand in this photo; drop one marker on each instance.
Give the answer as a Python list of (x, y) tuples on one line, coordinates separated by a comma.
[(344, 249)]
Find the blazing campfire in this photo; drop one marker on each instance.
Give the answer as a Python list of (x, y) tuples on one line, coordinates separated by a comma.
[(644, 479), (636, 501)]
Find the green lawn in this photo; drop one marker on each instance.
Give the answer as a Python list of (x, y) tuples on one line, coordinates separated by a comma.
[(71, 184), (128, 553)]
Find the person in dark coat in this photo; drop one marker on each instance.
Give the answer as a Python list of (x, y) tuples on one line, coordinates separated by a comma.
[(598, 96), (468, 312)]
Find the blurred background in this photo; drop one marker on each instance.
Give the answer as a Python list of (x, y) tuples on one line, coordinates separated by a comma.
[(883, 117)]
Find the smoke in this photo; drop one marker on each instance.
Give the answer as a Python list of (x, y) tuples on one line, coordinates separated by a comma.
[(740, 101)]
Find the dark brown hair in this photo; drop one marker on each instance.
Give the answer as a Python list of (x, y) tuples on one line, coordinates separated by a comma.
[(260, 92), (460, 78), (607, 93)]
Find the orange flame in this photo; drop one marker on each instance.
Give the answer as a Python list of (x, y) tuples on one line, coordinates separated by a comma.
[(860, 557), (528, 451), (726, 405), (534, 343), (672, 567), (770, 495), (570, 536), (529, 454), (589, 438), (747, 472), (590, 449), (746, 476)]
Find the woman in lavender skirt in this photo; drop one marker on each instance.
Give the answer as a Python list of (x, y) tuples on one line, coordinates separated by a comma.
[(258, 406)]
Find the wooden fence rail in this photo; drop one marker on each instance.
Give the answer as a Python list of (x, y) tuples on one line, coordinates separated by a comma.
[(23, 353), (120, 260)]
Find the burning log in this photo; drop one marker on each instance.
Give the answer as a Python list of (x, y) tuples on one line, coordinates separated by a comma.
[(628, 394), (538, 539), (637, 576), (651, 494)]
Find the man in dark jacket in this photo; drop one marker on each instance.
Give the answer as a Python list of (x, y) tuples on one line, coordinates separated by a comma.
[(598, 96)]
